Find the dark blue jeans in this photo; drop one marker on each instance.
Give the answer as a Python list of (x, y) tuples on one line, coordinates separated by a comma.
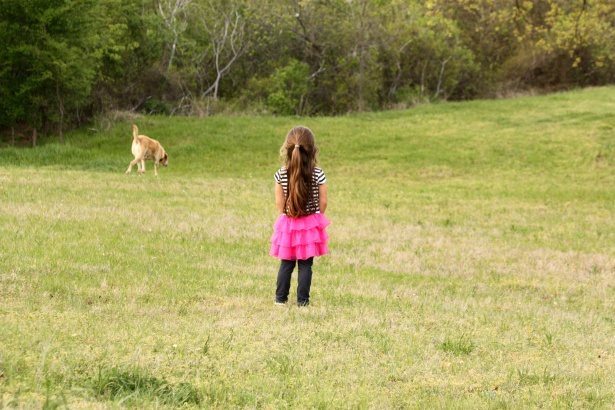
[(304, 278)]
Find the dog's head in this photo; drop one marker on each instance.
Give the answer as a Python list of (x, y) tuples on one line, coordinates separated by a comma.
[(165, 160)]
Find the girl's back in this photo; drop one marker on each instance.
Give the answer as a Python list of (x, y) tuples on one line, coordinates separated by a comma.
[(300, 230)]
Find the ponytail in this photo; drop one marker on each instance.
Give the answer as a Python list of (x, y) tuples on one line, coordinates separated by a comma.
[(299, 153), (299, 171)]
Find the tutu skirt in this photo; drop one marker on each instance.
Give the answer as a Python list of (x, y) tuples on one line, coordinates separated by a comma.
[(299, 238)]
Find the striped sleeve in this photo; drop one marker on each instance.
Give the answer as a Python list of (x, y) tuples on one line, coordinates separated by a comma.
[(281, 177), (320, 176)]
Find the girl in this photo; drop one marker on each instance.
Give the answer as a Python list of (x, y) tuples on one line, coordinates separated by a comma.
[(301, 197)]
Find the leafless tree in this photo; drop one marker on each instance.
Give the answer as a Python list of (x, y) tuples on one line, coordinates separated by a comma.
[(228, 40), (440, 77), (173, 14)]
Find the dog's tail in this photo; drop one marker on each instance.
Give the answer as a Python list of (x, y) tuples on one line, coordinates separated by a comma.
[(135, 132)]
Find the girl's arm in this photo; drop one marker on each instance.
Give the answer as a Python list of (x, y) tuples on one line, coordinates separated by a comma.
[(322, 195), (279, 197)]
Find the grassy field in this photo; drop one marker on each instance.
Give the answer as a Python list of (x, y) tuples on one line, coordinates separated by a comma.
[(472, 264)]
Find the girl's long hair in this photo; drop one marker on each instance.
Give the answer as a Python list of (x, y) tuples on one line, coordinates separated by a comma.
[(300, 156)]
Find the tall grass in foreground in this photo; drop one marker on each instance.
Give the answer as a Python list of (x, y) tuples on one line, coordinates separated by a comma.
[(472, 264)]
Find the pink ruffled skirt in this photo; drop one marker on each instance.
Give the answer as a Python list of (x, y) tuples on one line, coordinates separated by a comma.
[(299, 238)]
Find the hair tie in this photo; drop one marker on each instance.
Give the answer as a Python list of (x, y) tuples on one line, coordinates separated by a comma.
[(297, 146)]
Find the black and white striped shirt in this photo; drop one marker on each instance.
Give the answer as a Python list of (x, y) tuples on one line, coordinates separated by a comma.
[(318, 178)]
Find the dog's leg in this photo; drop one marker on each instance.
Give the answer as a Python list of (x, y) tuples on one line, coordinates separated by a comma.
[(156, 168), (134, 161), (142, 170)]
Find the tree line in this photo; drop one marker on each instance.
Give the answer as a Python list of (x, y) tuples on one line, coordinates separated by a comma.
[(63, 62)]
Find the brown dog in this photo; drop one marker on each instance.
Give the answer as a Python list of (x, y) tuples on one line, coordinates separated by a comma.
[(146, 148)]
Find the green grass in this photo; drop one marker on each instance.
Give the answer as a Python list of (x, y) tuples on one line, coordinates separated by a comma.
[(472, 264)]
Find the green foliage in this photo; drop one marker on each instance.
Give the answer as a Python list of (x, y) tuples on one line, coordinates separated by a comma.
[(67, 61), (289, 89), (562, 44), (51, 58)]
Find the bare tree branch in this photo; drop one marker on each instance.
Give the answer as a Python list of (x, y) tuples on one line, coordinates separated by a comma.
[(228, 43), (170, 12), (439, 87)]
